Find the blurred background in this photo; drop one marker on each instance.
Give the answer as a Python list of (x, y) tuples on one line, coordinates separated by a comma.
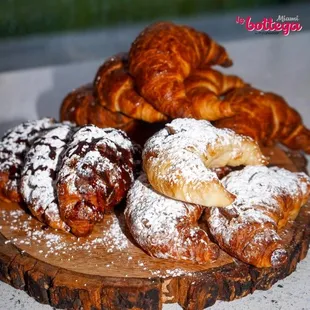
[(38, 33), (22, 17)]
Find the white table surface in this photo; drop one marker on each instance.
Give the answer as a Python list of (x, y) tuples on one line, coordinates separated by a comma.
[(270, 62)]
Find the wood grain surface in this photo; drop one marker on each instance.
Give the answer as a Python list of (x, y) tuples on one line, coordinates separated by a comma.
[(109, 271)]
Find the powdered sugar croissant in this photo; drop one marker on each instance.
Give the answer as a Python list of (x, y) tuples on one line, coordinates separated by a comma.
[(267, 198), (167, 228), (177, 160)]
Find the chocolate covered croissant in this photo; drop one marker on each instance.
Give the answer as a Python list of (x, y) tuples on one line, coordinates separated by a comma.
[(13, 147), (95, 174), (167, 228), (67, 176), (163, 56), (39, 173), (266, 199), (177, 160)]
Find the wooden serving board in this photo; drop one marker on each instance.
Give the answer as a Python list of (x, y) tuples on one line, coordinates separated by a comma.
[(109, 271)]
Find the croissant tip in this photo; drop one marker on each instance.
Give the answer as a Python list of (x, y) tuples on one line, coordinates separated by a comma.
[(264, 161), (227, 63), (278, 257)]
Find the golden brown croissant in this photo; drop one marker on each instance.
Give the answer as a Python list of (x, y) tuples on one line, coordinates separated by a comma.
[(114, 88), (163, 56), (205, 87), (75, 105), (95, 174), (13, 147), (267, 198), (80, 107), (177, 160), (103, 118), (266, 117), (167, 228)]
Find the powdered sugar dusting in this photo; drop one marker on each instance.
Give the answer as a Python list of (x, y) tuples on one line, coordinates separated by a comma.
[(113, 239), (95, 175), (107, 250), (186, 149), (83, 155), (90, 132), (164, 227), (39, 175), (265, 198), (15, 144)]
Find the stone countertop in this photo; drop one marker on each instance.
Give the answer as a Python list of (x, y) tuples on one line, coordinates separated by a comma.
[(270, 62)]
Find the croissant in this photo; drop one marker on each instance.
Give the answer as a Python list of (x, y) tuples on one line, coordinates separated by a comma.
[(13, 147), (114, 88), (104, 118), (80, 107), (177, 160), (95, 174), (39, 173), (166, 228), (204, 87), (75, 105), (265, 117), (267, 198), (163, 56)]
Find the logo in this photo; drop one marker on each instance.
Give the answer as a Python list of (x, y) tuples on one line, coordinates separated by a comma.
[(282, 24)]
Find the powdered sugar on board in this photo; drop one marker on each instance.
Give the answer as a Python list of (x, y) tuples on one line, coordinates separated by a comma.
[(107, 250), (113, 239)]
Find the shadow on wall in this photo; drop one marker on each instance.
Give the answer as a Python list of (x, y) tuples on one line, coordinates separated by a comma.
[(4, 126), (48, 94), (65, 79)]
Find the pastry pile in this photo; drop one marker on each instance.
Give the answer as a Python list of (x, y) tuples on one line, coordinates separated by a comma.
[(67, 176), (243, 211), (168, 73), (194, 171)]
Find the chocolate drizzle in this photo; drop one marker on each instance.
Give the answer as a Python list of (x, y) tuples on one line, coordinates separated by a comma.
[(13, 148), (96, 172), (40, 172)]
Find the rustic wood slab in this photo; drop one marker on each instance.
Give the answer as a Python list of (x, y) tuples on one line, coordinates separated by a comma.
[(108, 271)]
